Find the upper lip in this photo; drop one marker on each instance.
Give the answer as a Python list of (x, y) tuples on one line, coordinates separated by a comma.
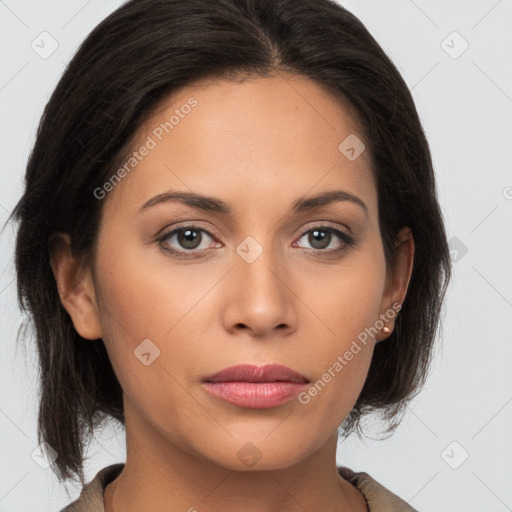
[(253, 373)]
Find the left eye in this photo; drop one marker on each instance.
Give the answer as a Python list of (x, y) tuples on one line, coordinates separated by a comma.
[(321, 237)]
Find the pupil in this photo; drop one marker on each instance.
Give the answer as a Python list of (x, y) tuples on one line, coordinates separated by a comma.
[(320, 235), (187, 238)]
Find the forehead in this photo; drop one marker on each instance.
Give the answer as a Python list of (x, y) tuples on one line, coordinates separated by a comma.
[(246, 140)]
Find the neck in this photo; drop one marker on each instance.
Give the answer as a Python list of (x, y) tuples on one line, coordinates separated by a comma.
[(160, 475)]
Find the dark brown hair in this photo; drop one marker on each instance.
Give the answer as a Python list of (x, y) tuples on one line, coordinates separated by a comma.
[(130, 62)]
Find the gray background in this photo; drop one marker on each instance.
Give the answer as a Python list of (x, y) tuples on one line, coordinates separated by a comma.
[(465, 102)]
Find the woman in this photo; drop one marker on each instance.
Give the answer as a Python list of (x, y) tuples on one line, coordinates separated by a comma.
[(230, 242)]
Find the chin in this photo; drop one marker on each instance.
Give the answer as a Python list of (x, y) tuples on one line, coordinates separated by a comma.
[(258, 455)]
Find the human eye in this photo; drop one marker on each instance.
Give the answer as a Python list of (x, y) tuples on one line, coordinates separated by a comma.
[(190, 240), (321, 237), (189, 237)]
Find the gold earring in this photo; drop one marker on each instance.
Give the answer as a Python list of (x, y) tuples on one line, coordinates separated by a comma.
[(386, 329)]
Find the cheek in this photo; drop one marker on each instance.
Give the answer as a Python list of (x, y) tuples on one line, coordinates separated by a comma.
[(346, 298), (346, 309), (134, 302), (140, 303), (145, 297), (142, 293)]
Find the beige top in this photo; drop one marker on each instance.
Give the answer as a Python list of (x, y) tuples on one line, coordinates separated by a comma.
[(378, 498)]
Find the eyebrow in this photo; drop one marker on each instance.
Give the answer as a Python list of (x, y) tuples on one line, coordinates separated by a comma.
[(214, 204)]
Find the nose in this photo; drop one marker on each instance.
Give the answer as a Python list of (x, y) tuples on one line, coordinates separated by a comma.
[(259, 296)]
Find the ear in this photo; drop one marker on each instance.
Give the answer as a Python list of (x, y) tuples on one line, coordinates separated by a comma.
[(397, 279), (76, 287)]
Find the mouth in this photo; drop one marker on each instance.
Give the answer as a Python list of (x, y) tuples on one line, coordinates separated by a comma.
[(256, 387)]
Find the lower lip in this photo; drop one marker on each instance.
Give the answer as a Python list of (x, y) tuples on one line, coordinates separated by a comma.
[(256, 395)]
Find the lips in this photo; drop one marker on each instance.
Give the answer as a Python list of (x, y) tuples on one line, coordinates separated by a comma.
[(252, 373), (256, 387)]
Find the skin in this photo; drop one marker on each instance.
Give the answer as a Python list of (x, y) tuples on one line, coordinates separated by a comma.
[(258, 145)]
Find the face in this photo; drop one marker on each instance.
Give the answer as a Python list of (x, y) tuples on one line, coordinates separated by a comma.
[(248, 276)]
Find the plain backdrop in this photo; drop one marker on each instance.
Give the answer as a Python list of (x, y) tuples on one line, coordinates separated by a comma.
[(453, 450)]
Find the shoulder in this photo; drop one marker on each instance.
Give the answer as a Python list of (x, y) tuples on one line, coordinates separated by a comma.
[(91, 497), (378, 497)]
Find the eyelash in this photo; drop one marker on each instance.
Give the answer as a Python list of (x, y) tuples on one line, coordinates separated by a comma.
[(348, 240)]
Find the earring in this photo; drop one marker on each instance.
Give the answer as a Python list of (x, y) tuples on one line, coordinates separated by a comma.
[(386, 329)]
